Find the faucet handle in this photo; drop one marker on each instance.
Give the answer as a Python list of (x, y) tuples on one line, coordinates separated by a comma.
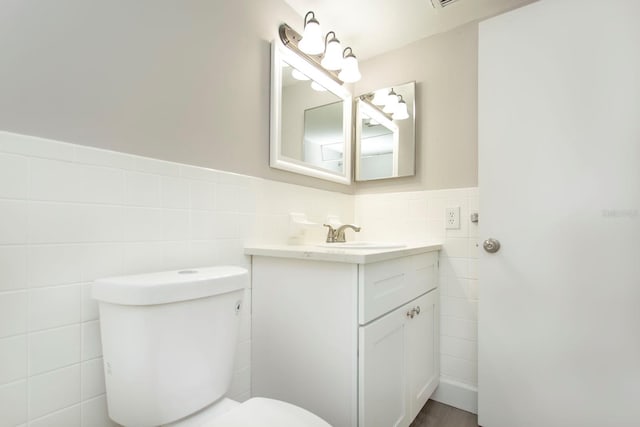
[(331, 233)]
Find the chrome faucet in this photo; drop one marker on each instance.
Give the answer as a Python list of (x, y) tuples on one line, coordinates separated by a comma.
[(337, 235)]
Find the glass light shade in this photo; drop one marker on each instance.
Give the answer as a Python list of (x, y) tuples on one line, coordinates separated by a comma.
[(332, 56), (392, 101), (312, 42), (317, 87), (350, 72), (298, 75), (380, 97), (373, 122), (401, 112), (391, 104), (389, 109)]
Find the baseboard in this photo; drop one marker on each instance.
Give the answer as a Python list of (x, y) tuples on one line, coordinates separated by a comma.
[(458, 395)]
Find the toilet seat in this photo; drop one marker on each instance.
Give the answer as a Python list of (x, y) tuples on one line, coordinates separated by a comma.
[(261, 412)]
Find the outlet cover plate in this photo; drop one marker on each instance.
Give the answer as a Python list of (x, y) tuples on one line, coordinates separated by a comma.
[(452, 218)]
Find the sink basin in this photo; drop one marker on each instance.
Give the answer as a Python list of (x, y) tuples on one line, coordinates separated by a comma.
[(362, 245)]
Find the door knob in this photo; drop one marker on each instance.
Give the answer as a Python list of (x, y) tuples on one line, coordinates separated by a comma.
[(491, 245)]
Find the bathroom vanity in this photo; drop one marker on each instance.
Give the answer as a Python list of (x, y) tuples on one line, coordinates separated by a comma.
[(349, 334)]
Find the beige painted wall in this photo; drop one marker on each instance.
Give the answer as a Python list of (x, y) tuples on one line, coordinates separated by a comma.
[(186, 81), (445, 68)]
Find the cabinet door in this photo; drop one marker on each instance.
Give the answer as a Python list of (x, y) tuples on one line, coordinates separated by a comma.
[(382, 394), (423, 365), (305, 336)]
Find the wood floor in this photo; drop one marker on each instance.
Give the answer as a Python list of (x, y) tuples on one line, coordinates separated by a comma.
[(436, 414)]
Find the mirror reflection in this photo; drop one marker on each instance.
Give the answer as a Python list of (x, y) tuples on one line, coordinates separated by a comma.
[(385, 133), (323, 142), (312, 122)]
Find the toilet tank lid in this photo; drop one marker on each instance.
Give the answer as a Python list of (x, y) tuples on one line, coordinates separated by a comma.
[(169, 286)]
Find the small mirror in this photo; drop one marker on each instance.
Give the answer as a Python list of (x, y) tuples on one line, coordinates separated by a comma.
[(310, 119), (385, 133)]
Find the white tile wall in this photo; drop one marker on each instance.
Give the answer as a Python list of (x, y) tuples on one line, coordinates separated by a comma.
[(13, 267), (419, 216), (53, 390), (54, 348), (13, 358), (13, 312), (70, 214), (68, 417), (13, 403)]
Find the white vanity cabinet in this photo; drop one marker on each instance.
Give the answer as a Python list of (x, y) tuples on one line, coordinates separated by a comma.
[(398, 363), (350, 337)]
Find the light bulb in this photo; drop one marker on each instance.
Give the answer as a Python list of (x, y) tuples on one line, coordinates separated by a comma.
[(317, 87), (350, 72), (333, 53), (298, 75), (311, 42)]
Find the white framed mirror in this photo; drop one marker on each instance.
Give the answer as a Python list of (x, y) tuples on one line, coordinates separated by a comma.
[(385, 136), (311, 119)]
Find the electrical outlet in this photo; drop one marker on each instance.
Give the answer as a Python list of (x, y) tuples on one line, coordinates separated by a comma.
[(452, 218)]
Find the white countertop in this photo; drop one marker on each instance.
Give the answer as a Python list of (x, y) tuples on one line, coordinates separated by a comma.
[(352, 256)]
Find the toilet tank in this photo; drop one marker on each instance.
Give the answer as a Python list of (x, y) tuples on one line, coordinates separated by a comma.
[(168, 341)]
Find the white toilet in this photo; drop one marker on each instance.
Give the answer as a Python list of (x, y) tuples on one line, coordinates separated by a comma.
[(169, 341)]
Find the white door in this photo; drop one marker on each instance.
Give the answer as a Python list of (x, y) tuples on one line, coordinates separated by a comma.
[(423, 351), (559, 159), (382, 393)]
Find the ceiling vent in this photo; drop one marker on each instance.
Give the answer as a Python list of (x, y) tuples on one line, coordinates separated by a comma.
[(439, 4)]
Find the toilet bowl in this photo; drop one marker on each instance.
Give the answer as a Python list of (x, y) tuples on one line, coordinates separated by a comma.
[(169, 341), (255, 412)]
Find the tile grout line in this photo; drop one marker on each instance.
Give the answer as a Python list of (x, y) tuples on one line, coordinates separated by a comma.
[(57, 411), (28, 288), (81, 331)]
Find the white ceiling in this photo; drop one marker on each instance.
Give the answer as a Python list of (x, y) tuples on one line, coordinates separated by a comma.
[(373, 27)]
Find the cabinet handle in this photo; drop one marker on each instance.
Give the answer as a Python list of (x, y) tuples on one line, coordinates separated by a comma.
[(413, 312)]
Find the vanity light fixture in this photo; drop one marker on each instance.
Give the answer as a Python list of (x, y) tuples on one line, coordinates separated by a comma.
[(326, 55), (401, 111), (332, 59), (350, 72), (311, 42), (392, 101), (391, 111), (392, 98)]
